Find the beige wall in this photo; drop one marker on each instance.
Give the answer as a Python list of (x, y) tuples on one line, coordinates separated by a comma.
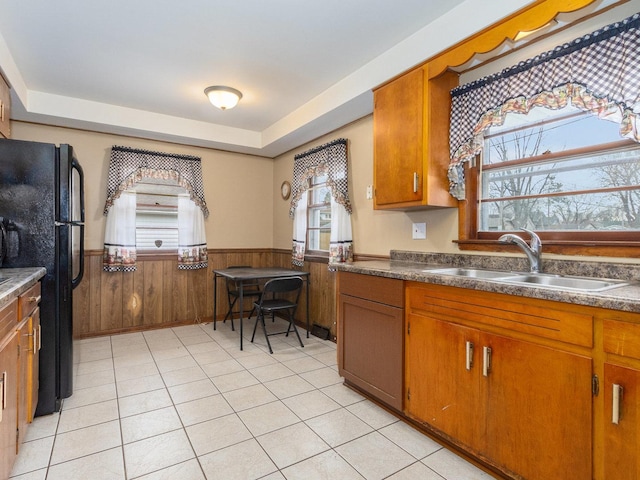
[(374, 231), (238, 188)]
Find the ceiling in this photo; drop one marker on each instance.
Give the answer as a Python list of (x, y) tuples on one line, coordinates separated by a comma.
[(140, 67)]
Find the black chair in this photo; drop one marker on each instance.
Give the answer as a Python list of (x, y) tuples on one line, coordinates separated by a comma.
[(250, 289), (276, 297)]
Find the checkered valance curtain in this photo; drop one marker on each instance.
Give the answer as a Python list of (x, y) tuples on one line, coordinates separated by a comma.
[(129, 166), (329, 159), (599, 72)]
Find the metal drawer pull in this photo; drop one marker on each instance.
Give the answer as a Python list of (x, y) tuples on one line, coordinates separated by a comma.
[(486, 361), (469, 355), (415, 182), (4, 390), (39, 337), (617, 403), (35, 299)]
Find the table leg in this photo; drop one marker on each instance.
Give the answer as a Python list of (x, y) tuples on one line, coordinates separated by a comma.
[(241, 309), (308, 280), (215, 298)]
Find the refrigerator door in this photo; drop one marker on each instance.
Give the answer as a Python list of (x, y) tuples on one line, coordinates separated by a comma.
[(77, 222)]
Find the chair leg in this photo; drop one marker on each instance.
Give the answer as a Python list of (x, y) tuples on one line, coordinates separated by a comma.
[(255, 325), (292, 324), (229, 314), (266, 336)]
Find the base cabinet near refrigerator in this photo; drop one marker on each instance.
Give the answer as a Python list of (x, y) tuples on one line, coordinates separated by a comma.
[(19, 363)]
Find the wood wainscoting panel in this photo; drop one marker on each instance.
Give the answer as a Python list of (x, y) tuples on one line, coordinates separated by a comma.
[(159, 295)]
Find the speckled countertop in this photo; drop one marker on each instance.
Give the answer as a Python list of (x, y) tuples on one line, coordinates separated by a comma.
[(418, 266), (15, 281)]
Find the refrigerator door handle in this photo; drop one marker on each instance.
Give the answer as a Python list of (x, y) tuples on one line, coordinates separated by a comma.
[(76, 281)]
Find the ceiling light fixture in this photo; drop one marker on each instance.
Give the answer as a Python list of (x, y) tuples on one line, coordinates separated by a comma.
[(223, 97)]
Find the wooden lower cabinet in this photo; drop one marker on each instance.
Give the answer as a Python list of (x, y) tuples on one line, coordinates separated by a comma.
[(8, 403), (522, 407), (621, 422), (370, 335)]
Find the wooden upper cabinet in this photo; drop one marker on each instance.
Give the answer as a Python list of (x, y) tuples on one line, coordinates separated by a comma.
[(5, 109), (411, 141)]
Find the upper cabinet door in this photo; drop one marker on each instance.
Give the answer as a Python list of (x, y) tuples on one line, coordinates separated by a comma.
[(5, 109), (411, 141)]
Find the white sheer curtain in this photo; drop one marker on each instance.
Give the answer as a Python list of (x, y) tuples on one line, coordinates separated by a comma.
[(299, 231), (192, 241), (341, 240), (120, 235)]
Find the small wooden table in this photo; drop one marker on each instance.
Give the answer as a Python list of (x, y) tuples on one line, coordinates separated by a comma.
[(241, 275)]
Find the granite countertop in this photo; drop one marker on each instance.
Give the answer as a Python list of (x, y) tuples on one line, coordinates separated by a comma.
[(419, 267), (15, 281)]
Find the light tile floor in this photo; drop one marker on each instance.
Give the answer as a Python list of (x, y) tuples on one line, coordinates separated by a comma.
[(185, 403)]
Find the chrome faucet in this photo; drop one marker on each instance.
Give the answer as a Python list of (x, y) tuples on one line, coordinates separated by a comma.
[(532, 252)]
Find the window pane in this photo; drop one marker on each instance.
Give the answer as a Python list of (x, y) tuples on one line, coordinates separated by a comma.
[(597, 190), (319, 215), (157, 230)]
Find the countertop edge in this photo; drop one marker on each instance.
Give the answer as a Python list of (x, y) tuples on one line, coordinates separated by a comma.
[(19, 280), (624, 298)]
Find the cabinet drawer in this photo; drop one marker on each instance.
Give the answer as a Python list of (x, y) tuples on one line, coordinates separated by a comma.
[(622, 338), (389, 291), (551, 320), (28, 301), (8, 317)]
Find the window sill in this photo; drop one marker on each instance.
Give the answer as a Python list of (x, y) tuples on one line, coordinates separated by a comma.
[(562, 247), (317, 257)]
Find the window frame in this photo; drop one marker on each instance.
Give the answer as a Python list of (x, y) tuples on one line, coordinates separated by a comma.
[(609, 243), (311, 186)]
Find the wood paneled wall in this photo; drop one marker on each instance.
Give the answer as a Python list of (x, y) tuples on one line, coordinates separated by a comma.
[(159, 295)]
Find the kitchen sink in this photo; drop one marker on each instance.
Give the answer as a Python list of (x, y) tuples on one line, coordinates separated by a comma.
[(471, 272), (585, 284), (569, 283)]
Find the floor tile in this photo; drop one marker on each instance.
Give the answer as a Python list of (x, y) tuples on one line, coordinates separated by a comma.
[(409, 439), (152, 454), (189, 470), (86, 441), (88, 396), (95, 379), (34, 455), (449, 465), (271, 372), (144, 402), (342, 394), (203, 409), (418, 470), (166, 365), (218, 433), (43, 426), (256, 360), (338, 427), (149, 424), (35, 475), (136, 371), (325, 466), (192, 391), (304, 364), (183, 375), (211, 356), (137, 358), (179, 350), (249, 397), (322, 377), (234, 381), (92, 367), (238, 462), (80, 417), (289, 386), (375, 457), (267, 418), (370, 413), (106, 465), (139, 385), (310, 404), (292, 444)]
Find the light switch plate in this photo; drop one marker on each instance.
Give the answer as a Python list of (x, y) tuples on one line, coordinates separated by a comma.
[(419, 231), (370, 192)]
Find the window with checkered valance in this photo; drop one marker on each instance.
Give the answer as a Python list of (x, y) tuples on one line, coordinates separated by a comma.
[(599, 72)]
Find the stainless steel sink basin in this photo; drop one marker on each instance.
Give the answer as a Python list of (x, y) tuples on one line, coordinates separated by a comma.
[(471, 272), (569, 283), (584, 284)]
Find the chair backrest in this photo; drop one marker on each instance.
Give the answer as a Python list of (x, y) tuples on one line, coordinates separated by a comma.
[(283, 285)]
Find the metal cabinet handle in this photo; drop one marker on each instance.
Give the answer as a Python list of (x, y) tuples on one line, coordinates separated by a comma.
[(4, 390), (1, 112), (469, 355), (35, 299), (39, 337), (617, 403), (415, 182), (486, 361)]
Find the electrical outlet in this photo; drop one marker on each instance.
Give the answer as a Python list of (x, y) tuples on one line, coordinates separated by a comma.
[(370, 192), (419, 231)]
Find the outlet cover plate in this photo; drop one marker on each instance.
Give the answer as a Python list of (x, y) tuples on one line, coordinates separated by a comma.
[(419, 231)]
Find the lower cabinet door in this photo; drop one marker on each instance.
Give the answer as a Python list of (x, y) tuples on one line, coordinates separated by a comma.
[(8, 405), (33, 364), (539, 409), (443, 385), (621, 422)]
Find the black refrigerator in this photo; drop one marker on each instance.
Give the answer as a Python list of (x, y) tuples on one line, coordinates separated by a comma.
[(42, 209)]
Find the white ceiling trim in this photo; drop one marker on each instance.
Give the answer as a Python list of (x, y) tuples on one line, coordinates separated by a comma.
[(347, 100)]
